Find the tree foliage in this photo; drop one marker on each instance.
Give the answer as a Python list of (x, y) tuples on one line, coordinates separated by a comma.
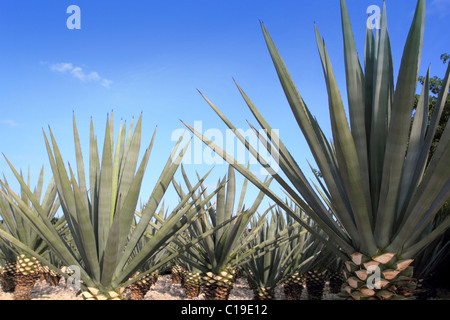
[(435, 87)]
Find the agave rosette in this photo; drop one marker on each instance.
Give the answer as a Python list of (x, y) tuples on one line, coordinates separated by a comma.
[(100, 215), (381, 189)]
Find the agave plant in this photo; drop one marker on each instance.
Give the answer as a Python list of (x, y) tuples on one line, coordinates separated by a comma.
[(192, 281), (177, 272), (335, 273), (139, 288), (432, 260), (51, 277), (100, 215), (25, 270), (381, 190), (317, 274), (268, 266), (216, 253), (8, 258), (302, 262)]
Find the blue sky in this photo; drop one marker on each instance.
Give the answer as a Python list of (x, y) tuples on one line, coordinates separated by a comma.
[(151, 56)]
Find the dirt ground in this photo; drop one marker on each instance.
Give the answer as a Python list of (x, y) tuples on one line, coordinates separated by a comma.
[(164, 290)]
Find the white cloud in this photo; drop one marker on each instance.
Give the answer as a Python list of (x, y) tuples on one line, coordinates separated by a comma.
[(93, 76), (10, 123), (78, 73), (61, 67), (105, 83)]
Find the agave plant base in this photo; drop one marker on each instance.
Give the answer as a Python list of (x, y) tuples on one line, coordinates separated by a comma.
[(293, 291), (177, 274), (139, 289), (24, 285), (315, 283), (293, 286), (192, 291), (336, 280), (218, 287), (382, 277), (53, 280), (50, 276), (192, 284), (217, 291), (26, 276), (267, 293), (7, 275), (7, 282), (95, 294)]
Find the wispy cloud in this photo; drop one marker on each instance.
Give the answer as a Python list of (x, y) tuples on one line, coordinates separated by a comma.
[(80, 74), (439, 7), (61, 67), (10, 123)]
